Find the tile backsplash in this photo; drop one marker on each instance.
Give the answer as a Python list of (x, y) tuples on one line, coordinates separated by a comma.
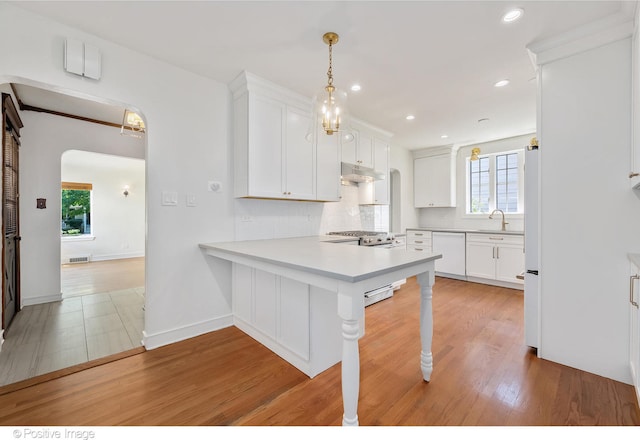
[(261, 219)]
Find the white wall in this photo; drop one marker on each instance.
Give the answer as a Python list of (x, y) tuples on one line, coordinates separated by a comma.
[(44, 139), (401, 159), (117, 222), (589, 215), (457, 217), (187, 144)]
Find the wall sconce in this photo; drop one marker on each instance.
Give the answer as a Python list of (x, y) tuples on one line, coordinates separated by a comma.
[(126, 190), (132, 124), (474, 153)]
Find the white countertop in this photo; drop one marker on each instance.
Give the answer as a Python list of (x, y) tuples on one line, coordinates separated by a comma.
[(467, 231), (325, 255)]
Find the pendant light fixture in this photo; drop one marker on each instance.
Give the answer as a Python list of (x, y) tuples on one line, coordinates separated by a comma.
[(330, 103), (132, 124)]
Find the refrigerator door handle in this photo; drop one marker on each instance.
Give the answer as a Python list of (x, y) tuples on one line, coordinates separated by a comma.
[(533, 272)]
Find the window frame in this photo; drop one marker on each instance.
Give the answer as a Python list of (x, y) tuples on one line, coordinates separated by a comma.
[(492, 184), (78, 186)]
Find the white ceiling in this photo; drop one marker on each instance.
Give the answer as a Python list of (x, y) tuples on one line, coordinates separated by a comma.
[(437, 60)]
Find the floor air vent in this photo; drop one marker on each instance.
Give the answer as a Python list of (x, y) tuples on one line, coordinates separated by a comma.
[(82, 259)]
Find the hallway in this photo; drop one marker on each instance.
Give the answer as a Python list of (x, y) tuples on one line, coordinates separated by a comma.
[(102, 313)]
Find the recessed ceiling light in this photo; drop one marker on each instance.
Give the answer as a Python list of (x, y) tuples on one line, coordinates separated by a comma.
[(444, 136), (355, 88), (512, 15), (502, 83), (410, 117)]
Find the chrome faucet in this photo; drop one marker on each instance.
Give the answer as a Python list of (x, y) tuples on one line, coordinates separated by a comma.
[(504, 224)]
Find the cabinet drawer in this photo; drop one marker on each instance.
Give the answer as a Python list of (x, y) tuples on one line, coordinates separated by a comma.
[(496, 239), (414, 247), (420, 241), (418, 234)]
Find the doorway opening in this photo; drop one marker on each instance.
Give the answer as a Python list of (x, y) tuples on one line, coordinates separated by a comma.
[(64, 323)]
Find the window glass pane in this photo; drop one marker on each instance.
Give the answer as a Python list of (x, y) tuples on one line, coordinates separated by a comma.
[(76, 212), (479, 185), (507, 182)]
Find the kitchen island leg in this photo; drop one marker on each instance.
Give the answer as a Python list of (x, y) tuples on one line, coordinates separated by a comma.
[(350, 309), (426, 281)]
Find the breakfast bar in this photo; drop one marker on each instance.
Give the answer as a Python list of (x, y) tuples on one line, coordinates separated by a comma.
[(348, 272)]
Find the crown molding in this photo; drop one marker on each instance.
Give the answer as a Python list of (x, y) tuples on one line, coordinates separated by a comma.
[(590, 36)]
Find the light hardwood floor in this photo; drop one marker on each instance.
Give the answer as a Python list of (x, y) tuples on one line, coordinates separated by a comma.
[(101, 314), (484, 375)]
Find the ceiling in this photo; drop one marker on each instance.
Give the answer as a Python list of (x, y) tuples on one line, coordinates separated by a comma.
[(437, 60)]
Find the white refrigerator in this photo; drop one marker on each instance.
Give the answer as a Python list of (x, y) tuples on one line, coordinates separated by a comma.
[(531, 242)]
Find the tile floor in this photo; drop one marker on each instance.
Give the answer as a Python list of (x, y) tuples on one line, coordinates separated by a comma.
[(53, 336)]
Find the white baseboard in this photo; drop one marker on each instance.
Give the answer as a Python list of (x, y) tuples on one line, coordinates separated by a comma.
[(498, 283), (151, 341), (32, 301), (122, 256)]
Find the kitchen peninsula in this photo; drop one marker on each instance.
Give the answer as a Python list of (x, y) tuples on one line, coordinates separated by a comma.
[(286, 293)]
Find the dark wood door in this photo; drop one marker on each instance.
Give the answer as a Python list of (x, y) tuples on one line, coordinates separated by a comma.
[(10, 211)]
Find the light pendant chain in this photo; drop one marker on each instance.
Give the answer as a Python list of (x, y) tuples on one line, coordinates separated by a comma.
[(330, 71)]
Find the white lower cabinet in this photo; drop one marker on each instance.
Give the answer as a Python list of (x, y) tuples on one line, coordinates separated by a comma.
[(418, 240), (634, 319), (280, 313), (452, 247), (496, 257)]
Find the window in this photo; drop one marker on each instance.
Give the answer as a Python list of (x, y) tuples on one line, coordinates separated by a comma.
[(76, 209), (495, 181)]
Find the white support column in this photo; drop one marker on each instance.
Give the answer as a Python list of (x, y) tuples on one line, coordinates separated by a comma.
[(426, 281), (351, 310)]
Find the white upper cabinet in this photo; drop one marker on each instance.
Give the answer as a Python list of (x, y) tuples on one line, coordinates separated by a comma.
[(434, 180), (327, 167), (359, 150), (273, 155), (377, 192)]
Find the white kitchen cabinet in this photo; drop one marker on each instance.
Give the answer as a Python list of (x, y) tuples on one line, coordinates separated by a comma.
[(359, 150), (377, 192), (419, 240), (434, 180), (273, 156), (634, 328), (328, 167), (452, 247), (495, 257)]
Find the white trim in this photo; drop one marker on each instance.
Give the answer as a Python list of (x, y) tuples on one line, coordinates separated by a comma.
[(34, 300), (79, 237), (1, 339), (516, 286), (151, 341), (121, 256), (590, 36)]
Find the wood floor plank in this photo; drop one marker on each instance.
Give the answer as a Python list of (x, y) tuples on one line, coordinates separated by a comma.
[(484, 376)]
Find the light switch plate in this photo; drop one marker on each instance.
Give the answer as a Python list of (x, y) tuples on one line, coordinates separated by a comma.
[(92, 62), (169, 198), (74, 56), (191, 200)]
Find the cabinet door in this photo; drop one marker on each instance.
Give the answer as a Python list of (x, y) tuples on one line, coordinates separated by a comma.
[(381, 163), (299, 160), (509, 263), (364, 150), (434, 182), (348, 148), (266, 125), (480, 260), (328, 167)]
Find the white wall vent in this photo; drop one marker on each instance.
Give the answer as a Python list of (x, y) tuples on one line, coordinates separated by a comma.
[(80, 259)]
